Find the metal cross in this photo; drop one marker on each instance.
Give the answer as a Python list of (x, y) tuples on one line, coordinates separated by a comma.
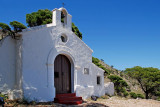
[(63, 4)]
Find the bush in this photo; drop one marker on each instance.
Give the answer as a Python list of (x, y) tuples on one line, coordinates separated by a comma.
[(125, 94), (157, 93), (121, 74), (120, 85), (96, 62), (133, 95), (158, 98), (140, 96), (4, 96), (4, 27), (17, 26)]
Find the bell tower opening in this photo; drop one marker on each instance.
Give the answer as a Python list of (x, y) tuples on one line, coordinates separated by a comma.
[(60, 17), (64, 17)]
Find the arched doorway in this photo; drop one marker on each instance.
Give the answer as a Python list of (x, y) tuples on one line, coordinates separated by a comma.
[(62, 74)]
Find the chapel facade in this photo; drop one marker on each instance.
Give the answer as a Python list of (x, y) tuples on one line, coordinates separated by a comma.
[(48, 60)]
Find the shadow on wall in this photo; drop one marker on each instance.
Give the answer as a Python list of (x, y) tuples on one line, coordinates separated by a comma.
[(19, 65)]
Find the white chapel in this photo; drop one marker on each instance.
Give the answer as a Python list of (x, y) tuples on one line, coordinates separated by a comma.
[(49, 60)]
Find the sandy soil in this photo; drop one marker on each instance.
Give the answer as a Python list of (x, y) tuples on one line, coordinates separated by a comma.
[(111, 102), (122, 102)]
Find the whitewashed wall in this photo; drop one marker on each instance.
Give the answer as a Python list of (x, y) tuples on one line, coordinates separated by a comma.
[(7, 64), (109, 88), (36, 48), (40, 48), (87, 84), (41, 45), (27, 65)]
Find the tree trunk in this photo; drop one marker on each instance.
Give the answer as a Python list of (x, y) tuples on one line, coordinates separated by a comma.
[(147, 96)]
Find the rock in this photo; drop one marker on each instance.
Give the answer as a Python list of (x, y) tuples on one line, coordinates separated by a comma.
[(94, 98)]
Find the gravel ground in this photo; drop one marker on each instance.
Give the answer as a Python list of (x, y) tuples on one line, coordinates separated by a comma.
[(122, 102), (111, 102)]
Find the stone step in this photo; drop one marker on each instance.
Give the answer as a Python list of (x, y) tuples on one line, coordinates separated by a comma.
[(68, 99)]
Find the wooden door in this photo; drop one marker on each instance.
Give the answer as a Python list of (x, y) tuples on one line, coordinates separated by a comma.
[(62, 74)]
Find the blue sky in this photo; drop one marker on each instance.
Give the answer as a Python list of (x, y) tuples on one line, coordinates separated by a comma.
[(125, 33)]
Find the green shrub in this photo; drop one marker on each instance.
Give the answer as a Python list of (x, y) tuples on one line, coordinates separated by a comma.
[(120, 85), (158, 98), (123, 90), (4, 96), (125, 94), (133, 95), (96, 62), (17, 26), (128, 88), (4, 27), (140, 96), (121, 74), (157, 93)]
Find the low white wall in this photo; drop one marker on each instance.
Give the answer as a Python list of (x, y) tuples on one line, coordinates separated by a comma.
[(87, 83), (98, 89), (7, 64), (109, 88), (84, 91)]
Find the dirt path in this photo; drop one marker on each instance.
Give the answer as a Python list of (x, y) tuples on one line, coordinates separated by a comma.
[(111, 102), (122, 102)]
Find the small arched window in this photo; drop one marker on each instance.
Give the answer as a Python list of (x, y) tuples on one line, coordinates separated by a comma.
[(64, 38)]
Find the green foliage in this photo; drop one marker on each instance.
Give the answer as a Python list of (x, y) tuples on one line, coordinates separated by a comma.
[(96, 61), (121, 74), (158, 98), (148, 78), (140, 96), (4, 96), (125, 93), (5, 30), (119, 83), (17, 26), (62, 17), (76, 31), (133, 95), (4, 27), (112, 66), (42, 17), (157, 92)]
